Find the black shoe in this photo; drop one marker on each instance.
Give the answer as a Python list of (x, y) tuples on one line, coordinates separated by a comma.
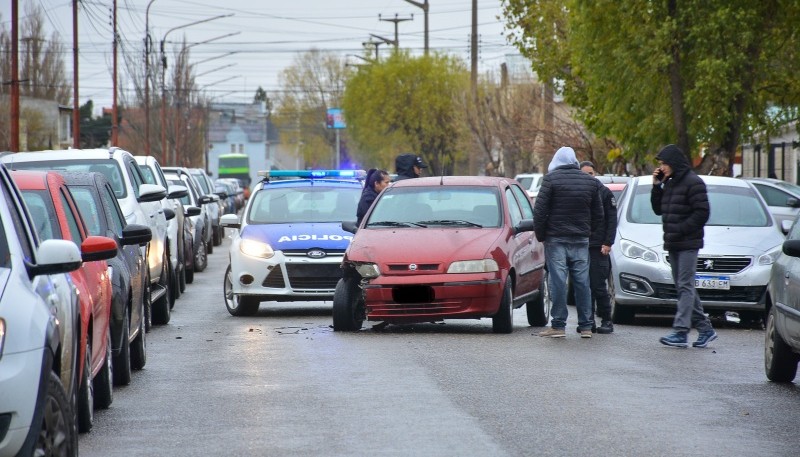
[(605, 328)]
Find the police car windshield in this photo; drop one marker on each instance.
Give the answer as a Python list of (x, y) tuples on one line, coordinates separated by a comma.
[(284, 205), (450, 206)]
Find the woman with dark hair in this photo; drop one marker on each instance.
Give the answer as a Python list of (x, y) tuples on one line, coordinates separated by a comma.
[(376, 181)]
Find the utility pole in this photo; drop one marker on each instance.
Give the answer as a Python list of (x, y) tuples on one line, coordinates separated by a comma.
[(474, 47), (114, 117), (76, 106), (15, 75), (147, 42), (425, 6), (384, 40), (373, 44), (396, 21)]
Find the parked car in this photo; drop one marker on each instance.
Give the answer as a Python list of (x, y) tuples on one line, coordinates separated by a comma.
[(453, 247), (173, 211), (290, 242), (229, 200), (531, 182), (783, 198), (36, 407), (239, 199), (55, 215), (741, 243), (215, 209), (782, 336), (193, 210), (205, 202), (130, 287), (140, 203)]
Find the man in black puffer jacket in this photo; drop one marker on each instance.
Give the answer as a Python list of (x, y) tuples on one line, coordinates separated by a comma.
[(679, 196), (566, 212)]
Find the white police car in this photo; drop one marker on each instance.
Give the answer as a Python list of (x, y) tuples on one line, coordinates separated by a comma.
[(290, 242)]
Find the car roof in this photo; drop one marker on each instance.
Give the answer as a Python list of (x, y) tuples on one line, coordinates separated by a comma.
[(615, 185), (31, 179), (484, 181), (708, 179), (73, 154)]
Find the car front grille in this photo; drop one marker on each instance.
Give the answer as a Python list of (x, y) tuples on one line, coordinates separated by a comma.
[(750, 294), (313, 276), (730, 265), (275, 278)]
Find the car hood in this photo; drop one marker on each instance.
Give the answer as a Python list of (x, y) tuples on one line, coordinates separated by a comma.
[(429, 245), (717, 239), (283, 237)]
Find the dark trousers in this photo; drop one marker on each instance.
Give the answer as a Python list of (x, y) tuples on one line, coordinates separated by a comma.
[(599, 268)]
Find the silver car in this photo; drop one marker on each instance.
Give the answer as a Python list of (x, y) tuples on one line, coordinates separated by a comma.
[(742, 241), (783, 198)]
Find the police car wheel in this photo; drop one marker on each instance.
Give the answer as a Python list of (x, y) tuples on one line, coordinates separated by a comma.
[(348, 306), (238, 305)]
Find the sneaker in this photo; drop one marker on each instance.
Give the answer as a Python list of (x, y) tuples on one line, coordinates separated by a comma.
[(704, 338), (675, 339), (605, 328), (586, 333), (553, 333), (594, 329)]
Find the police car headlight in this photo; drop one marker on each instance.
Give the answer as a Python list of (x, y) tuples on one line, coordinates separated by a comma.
[(368, 270), (473, 266), (256, 249)]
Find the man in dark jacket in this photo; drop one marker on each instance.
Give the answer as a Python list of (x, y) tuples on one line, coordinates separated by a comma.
[(600, 243), (566, 212), (679, 196), (408, 166)]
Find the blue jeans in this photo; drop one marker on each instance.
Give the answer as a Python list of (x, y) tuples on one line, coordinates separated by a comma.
[(569, 258), (689, 311)]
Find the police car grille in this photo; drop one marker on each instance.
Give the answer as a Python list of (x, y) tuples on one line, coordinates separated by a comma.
[(275, 278), (721, 264), (313, 276), (304, 252)]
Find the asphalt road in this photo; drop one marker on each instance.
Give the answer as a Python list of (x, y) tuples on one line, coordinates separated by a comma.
[(282, 383)]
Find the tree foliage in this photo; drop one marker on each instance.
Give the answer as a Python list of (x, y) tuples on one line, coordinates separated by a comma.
[(699, 73), (406, 103)]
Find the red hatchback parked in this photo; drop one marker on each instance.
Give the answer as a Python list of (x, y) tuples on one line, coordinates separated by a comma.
[(453, 247), (55, 216)]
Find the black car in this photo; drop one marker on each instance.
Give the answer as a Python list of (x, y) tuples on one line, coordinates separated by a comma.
[(782, 337), (191, 204), (130, 299)]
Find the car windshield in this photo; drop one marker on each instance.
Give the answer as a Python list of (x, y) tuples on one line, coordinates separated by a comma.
[(40, 205), (108, 167), (318, 203), (453, 206), (731, 206)]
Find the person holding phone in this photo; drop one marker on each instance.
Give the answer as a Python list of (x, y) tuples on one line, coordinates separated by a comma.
[(679, 196)]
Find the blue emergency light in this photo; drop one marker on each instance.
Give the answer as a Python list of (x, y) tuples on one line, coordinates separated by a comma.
[(354, 174)]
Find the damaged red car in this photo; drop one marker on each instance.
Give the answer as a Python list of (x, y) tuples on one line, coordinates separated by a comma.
[(452, 247)]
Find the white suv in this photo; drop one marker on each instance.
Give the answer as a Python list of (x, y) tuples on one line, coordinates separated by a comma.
[(140, 203), (531, 182), (37, 415)]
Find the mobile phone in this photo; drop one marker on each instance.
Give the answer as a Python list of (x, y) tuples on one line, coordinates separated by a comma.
[(660, 175)]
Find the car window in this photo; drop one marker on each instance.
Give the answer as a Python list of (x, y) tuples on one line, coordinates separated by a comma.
[(773, 196), (5, 252), (135, 175), (43, 214), (731, 206), (147, 174), (201, 181), (513, 208), (87, 205), (116, 220), (524, 202), (304, 204), (477, 205), (185, 201), (794, 232), (19, 225), (72, 222), (108, 167)]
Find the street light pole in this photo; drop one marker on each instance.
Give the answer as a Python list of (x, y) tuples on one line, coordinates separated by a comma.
[(425, 6), (147, 42)]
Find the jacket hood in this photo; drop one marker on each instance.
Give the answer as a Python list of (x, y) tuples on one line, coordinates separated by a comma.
[(564, 156), (404, 165), (675, 158)]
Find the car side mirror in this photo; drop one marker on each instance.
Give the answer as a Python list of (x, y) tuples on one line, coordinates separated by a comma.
[(350, 226), (205, 199), (525, 225), (136, 234), (151, 193), (791, 248), (169, 214), (792, 202), (230, 221), (96, 248), (53, 257), (191, 211), (222, 195), (176, 192)]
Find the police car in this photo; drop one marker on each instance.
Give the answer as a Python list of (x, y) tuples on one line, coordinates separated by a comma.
[(290, 242)]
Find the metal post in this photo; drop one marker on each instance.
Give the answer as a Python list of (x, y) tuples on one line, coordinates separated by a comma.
[(114, 116), (76, 106), (15, 76), (337, 149), (425, 7), (147, 42)]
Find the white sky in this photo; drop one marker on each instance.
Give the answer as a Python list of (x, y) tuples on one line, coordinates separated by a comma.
[(272, 33)]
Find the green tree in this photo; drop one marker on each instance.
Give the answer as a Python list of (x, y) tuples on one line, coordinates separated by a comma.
[(95, 132), (409, 103), (699, 73)]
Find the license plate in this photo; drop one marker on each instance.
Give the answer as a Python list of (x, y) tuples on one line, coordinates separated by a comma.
[(712, 282)]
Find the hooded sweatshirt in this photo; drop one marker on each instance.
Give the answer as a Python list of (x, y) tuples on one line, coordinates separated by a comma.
[(681, 201), (564, 156)]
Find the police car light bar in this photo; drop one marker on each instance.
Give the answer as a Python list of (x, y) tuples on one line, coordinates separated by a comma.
[(356, 174)]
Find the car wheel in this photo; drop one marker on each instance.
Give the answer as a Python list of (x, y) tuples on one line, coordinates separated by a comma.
[(503, 321), (238, 305), (780, 363), (147, 299), (56, 431), (103, 383), (122, 361), (624, 315), (182, 278), (174, 286), (139, 348), (86, 393), (348, 306), (210, 243), (539, 308), (201, 257), (162, 306), (189, 276)]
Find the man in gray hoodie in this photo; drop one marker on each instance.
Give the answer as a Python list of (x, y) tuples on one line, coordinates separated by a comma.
[(567, 210)]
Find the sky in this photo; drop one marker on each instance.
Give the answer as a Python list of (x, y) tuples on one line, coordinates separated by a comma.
[(249, 42)]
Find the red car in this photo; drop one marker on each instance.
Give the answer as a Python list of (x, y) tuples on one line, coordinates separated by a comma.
[(55, 216), (453, 247)]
